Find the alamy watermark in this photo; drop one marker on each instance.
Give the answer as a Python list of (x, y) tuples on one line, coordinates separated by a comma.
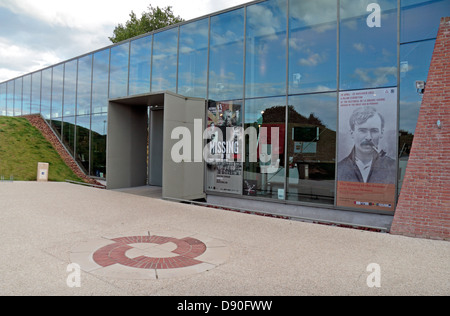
[(374, 18), (263, 145), (74, 278), (374, 278)]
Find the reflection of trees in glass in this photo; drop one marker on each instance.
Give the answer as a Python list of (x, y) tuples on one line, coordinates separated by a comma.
[(405, 143), (98, 143)]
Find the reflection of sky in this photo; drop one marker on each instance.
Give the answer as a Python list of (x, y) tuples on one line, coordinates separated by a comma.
[(84, 85), (100, 82), (99, 124), (57, 91), (415, 60), (420, 18), (192, 64), (266, 49), (36, 92), (70, 84), (26, 102), (46, 92), (140, 64), (119, 70), (368, 55), (312, 43), (164, 65), (227, 56)]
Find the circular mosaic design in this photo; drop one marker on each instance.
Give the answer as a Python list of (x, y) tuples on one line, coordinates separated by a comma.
[(186, 250), (150, 257)]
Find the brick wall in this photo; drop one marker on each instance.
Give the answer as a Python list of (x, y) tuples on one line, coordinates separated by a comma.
[(424, 204), (38, 122)]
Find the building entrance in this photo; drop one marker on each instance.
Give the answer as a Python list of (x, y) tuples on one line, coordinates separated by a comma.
[(140, 142)]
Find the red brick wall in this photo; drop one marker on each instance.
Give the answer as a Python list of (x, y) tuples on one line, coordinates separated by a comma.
[(424, 204), (38, 122)]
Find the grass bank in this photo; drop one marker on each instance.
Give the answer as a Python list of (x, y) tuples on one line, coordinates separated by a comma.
[(22, 146)]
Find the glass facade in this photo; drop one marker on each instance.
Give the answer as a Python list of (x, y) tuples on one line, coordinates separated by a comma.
[(287, 72)]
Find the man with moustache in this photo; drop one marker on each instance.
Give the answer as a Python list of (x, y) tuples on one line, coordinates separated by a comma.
[(366, 162)]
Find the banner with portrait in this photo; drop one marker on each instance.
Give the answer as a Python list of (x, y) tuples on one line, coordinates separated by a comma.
[(224, 171), (367, 164)]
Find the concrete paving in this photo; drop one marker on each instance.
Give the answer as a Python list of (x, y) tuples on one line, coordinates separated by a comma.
[(43, 225)]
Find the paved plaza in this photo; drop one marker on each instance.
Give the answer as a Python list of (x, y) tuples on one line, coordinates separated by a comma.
[(127, 244)]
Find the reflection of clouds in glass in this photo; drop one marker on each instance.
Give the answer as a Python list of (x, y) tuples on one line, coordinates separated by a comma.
[(359, 47), (375, 77), (227, 56), (313, 12), (409, 111), (358, 9), (313, 60), (265, 20), (223, 39)]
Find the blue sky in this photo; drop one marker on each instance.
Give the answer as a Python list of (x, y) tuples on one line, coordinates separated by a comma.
[(38, 33)]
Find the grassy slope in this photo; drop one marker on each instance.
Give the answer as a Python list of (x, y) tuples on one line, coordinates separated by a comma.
[(22, 146)]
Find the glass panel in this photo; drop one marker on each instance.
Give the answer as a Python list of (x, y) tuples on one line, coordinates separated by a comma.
[(264, 172), (414, 65), (226, 75), (140, 65), (82, 135), (98, 154), (70, 88), (46, 96), (10, 98), (224, 137), (3, 99), (57, 99), (18, 97), (312, 148), (118, 85), (57, 91), (164, 67), (266, 49), (69, 132), (26, 95), (312, 46), (368, 54), (100, 82), (84, 85), (420, 18), (193, 60), (36, 93)]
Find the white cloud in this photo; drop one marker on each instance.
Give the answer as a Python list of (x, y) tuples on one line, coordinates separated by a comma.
[(41, 33), (359, 47)]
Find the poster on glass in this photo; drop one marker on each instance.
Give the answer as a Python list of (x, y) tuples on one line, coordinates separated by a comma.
[(367, 166), (224, 148)]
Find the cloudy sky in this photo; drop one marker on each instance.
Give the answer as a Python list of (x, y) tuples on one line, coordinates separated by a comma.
[(38, 33)]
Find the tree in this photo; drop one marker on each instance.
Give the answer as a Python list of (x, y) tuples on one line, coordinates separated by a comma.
[(154, 19)]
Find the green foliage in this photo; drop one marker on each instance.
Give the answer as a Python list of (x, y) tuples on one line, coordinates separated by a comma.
[(154, 19), (22, 146)]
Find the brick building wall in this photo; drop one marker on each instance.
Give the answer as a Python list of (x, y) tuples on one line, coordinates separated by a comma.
[(424, 203)]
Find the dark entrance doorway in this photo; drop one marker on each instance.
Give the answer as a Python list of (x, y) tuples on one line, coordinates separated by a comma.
[(139, 144)]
